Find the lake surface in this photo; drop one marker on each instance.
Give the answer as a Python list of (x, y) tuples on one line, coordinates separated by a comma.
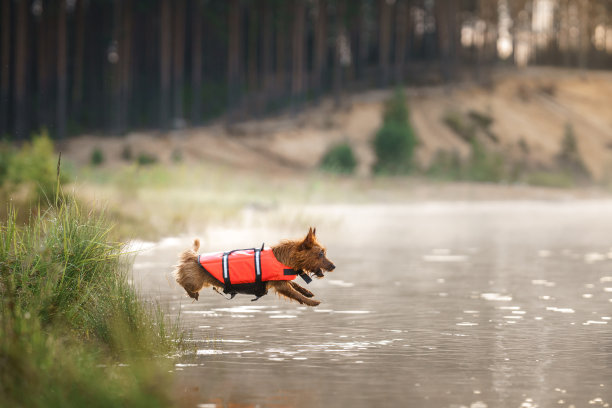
[(481, 304)]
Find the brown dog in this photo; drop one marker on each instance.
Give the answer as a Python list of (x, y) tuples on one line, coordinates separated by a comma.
[(306, 256)]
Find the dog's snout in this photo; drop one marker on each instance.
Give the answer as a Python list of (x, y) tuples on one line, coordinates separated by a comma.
[(332, 267)]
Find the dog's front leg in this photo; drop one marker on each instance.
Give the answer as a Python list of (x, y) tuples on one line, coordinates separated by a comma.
[(284, 288), (301, 289)]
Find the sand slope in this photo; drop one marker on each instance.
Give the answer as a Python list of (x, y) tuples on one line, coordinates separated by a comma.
[(533, 105)]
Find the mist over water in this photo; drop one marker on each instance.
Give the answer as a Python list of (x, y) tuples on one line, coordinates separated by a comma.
[(480, 304)]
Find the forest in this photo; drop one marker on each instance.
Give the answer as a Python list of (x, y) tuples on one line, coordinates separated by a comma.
[(108, 66)]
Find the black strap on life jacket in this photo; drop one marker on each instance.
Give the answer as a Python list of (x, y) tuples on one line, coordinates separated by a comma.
[(232, 295), (300, 273)]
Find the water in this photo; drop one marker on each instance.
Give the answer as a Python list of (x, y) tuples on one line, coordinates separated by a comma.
[(490, 304)]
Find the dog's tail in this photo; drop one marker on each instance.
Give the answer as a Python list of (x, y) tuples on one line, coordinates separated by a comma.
[(189, 255), (183, 272), (186, 257)]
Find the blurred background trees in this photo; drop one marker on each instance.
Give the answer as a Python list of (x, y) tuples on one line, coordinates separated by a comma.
[(114, 65)]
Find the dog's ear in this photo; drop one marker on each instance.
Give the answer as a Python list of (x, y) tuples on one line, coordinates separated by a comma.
[(314, 232), (308, 241)]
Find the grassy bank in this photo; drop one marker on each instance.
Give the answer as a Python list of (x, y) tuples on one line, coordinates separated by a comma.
[(73, 332)]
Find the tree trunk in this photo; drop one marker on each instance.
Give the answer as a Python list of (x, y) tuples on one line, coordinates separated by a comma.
[(116, 60), (585, 34), (165, 60), (179, 58), (488, 52), (442, 31), (252, 74), (320, 44), (384, 41), (363, 43), (62, 88), (267, 52), (126, 63), (401, 39), (233, 57), (196, 61), (5, 64), (50, 72), (352, 37), (77, 89), (281, 49), (297, 83), (254, 104), (454, 29), (21, 58), (340, 31), (41, 66)]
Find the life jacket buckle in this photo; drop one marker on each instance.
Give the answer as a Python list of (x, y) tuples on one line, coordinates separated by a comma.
[(232, 295)]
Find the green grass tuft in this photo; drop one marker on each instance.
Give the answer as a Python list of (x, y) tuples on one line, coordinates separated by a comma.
[(68, 317)]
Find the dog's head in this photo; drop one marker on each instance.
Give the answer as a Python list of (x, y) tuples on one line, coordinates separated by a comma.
[(310, 256)]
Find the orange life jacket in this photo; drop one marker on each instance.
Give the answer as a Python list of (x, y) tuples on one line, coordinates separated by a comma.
[(245, 270)]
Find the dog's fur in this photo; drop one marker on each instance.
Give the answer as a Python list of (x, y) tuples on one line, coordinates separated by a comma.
[(307, 255)]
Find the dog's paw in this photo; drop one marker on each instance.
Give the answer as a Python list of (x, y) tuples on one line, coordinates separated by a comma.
[(312, 302)]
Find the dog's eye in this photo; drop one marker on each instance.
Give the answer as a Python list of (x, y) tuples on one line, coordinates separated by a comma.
[(321, 254)]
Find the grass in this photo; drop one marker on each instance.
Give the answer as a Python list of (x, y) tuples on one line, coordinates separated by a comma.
[(550, 179), (446, 165), (73, 332)]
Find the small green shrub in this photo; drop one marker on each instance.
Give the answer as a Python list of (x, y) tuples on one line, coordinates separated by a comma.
[(394, 146), (97, 157), (339, 159), (395, 141), (35, 163), (145, 159)]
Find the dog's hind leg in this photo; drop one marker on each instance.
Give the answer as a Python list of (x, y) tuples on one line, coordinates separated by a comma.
[(301, 289), (284, 288)]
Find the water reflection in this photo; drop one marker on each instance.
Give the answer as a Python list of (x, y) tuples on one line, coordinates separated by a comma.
[(432, 305)]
